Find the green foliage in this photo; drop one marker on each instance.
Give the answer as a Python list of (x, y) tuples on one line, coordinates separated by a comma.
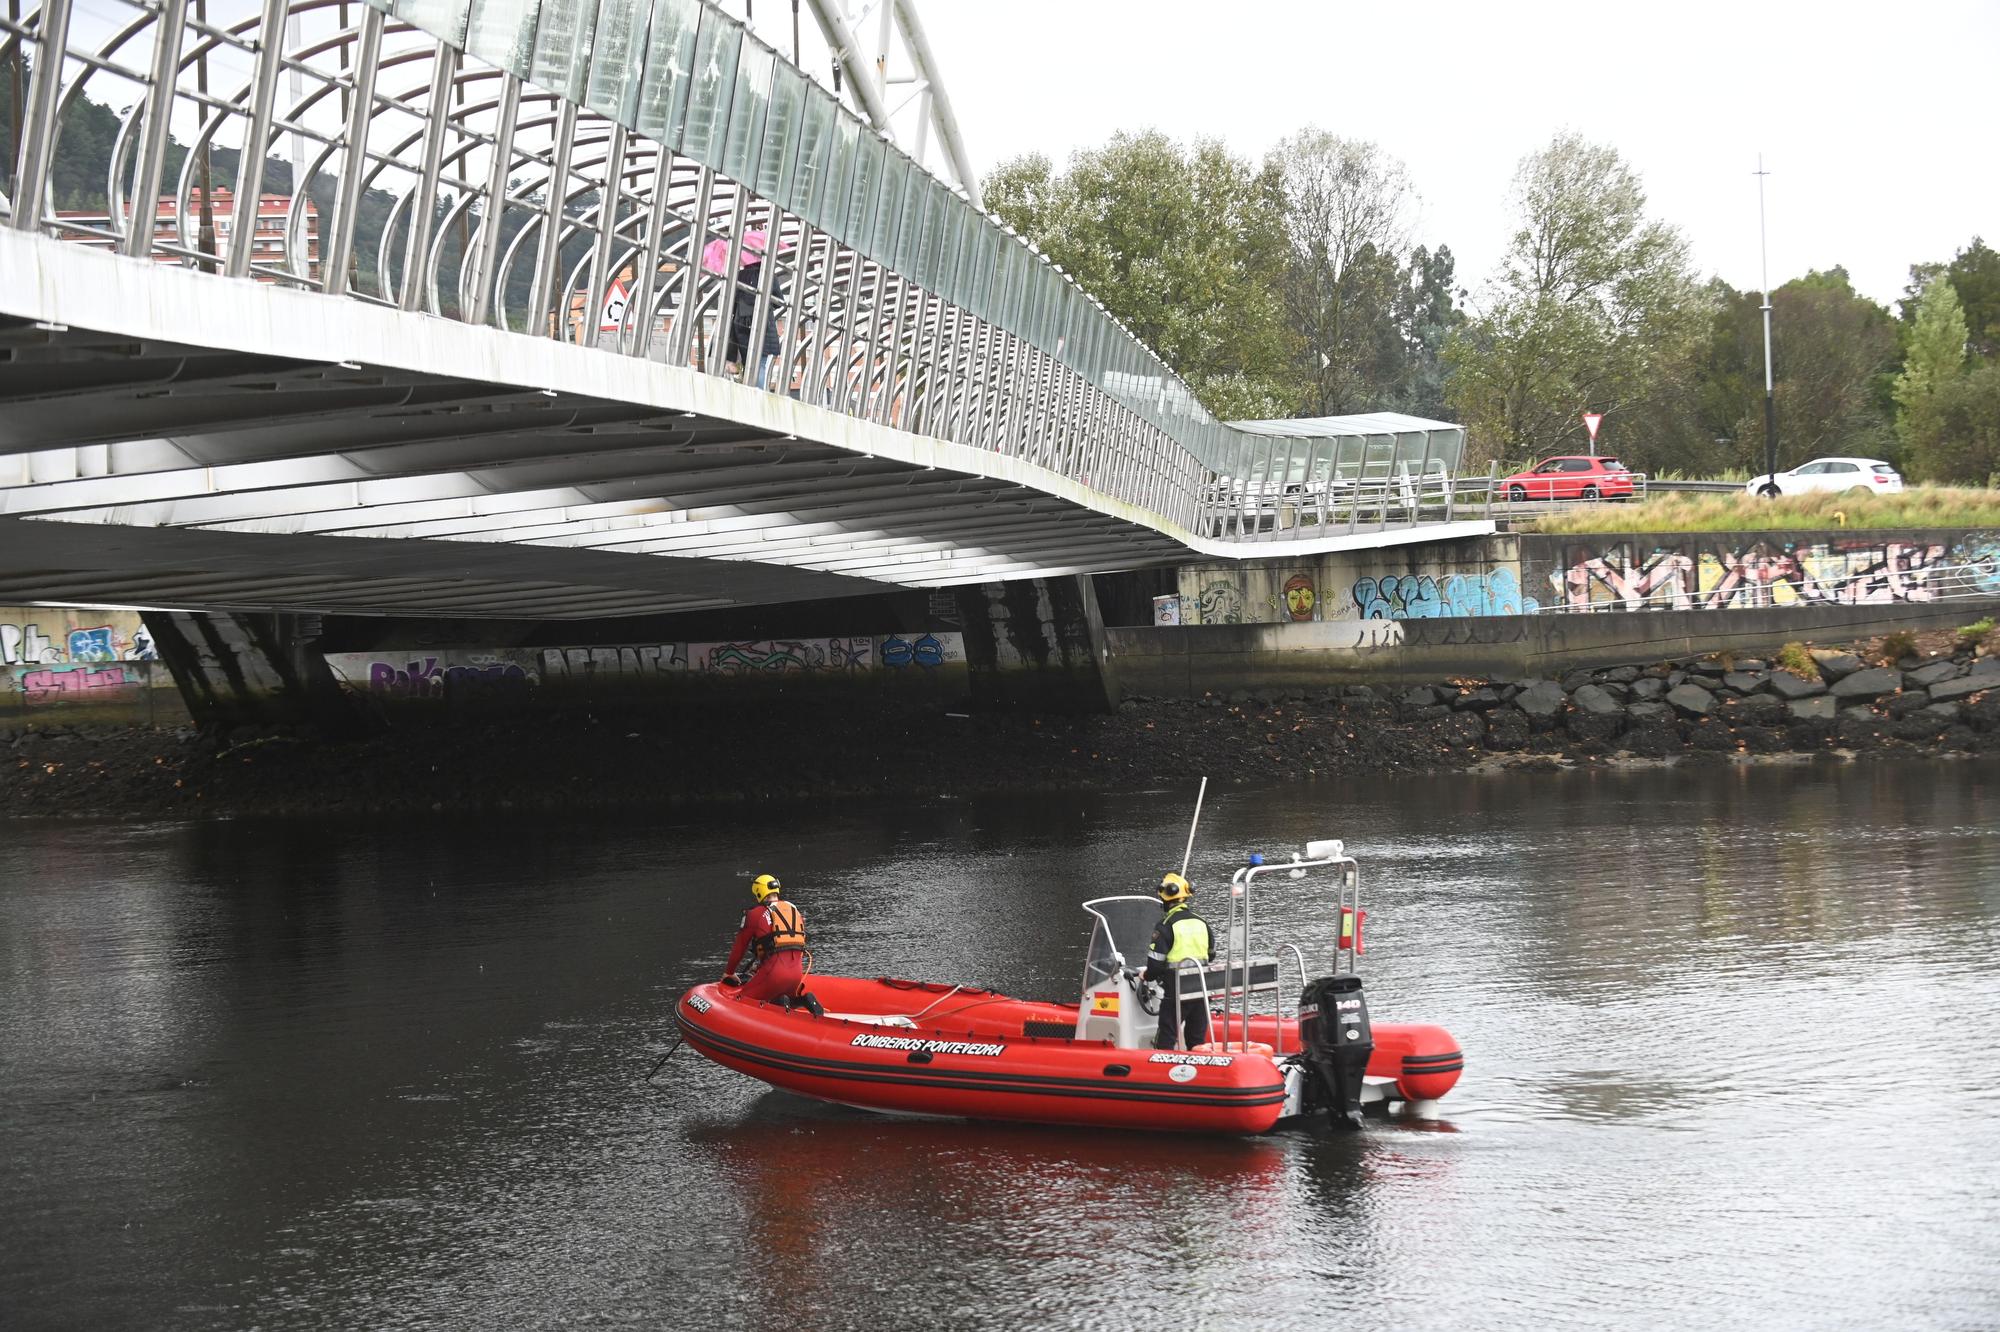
[(1594, 306), (1186, 246), (1273, 291), (1344, 222), (1974, 274), (1933, 360), (1798, 659), (1978, 629), (1919, 506), (1957, 437)]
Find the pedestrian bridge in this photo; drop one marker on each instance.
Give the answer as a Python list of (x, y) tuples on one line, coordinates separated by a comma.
[(502, 307)]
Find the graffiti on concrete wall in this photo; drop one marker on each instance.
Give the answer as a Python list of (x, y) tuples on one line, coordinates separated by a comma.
[(785, 656), (431, 677), (452, 672), (1980, 558), (51, 684), (55, 637), (1301, 597), (1219, 601), (925, 652), (1424, 597), (636, 662), (1726, 573), (26, 644)]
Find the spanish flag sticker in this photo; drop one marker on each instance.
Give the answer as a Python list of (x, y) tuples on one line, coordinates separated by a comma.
[(1104, 1001)]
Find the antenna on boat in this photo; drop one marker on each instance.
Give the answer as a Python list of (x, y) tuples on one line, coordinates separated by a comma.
[(1189, 853)]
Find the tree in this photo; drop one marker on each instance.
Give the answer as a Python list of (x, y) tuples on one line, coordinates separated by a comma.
[(1184, 245), (1974, 274), (1593, 303), (1345, 222), (1830, 349), (1428, 312), (1935, 356), (1959, 440)]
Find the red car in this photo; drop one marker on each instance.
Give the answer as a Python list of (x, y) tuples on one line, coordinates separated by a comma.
[(1570, 478)]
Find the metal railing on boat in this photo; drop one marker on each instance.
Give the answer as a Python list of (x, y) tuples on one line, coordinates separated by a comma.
[(1347, 905)]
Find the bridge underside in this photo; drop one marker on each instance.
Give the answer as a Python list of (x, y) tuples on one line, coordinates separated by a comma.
[(161, 474), (171, 439)]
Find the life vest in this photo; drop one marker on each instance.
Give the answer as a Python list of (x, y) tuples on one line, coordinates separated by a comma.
[(788, 928), (1191, 938)]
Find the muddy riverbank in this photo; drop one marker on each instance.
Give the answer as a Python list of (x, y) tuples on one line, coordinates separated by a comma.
[(1939, 696)]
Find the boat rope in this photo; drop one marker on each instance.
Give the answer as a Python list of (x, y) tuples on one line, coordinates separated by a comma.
[(678, 1038), (935, 1002)]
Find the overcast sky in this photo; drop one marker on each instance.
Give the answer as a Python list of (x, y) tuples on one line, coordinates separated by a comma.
[(1879, 122)]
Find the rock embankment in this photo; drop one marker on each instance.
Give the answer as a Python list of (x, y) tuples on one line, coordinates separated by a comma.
[(1834, 701), (1837, 703)]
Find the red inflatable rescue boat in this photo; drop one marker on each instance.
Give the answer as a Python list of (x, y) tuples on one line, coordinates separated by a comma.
[(929, 1048)]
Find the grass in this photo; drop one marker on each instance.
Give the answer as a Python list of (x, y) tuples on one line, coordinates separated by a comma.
[(1975, 631), (1896, 645), (1798, 659), (1918, 507)]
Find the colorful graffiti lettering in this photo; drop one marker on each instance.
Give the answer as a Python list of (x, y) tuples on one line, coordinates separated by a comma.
[(1759, 573), (1980, 559), (95, 644), (1220, 602), (1424, 597), (898, 653), (1663, 579), (784, 656), (640, 660), (428, 678), (46, 686), (24, 642), (1300, 597), (26, 645)]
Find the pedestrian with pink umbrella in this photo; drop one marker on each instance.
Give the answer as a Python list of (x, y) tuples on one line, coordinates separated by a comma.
[(743, 306)]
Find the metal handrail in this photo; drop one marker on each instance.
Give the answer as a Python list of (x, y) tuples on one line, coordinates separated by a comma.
[(1278, 1037)]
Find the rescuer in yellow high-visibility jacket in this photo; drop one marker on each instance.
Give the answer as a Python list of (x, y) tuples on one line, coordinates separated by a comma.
[(1180, 934)]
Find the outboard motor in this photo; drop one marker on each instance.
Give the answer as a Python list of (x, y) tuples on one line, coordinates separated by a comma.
[(1337, 1040)]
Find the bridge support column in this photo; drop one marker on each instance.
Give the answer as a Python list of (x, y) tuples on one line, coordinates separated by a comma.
[(253, 670), (1037, 643)]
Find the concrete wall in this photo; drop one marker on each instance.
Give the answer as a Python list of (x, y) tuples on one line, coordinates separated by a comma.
[(520, 677), (1188, 661), (1481, 576), (1650, 571), (62, 666)]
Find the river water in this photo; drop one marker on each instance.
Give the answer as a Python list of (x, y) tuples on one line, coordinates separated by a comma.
[(1731, 1044)]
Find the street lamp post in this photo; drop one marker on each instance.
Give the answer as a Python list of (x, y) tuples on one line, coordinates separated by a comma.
[(1770, 402)]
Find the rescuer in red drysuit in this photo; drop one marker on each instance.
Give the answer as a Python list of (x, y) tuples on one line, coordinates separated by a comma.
[(774, 933)]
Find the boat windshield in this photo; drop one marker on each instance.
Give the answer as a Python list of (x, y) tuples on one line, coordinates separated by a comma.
[(1121, 929)]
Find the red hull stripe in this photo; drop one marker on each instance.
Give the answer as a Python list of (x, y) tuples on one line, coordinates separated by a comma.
[(981, 1080)]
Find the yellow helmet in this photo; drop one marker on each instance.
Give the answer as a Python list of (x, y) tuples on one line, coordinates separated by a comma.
[(1175, 890), (765, 887)]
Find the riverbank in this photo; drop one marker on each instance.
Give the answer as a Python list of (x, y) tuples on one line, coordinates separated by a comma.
[(1937, 696)]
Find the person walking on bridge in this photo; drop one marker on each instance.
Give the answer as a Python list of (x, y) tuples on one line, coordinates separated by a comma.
[(774, 935), (1180, 935)]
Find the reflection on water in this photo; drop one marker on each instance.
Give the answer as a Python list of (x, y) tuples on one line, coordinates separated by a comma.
[(1729, 1041)]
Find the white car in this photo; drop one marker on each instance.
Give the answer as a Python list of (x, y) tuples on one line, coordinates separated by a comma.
[(1867, 476)]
